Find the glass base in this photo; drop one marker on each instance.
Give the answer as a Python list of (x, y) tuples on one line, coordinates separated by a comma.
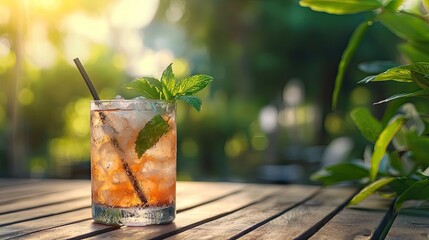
[(133, 216)]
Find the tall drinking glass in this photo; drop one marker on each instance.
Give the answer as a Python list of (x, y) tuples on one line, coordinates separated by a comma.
[(133, 161)]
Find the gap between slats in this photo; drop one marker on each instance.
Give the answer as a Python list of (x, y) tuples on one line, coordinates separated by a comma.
[(112, 228)]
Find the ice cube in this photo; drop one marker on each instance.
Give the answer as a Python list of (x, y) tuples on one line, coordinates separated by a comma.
[(165, 149), (109, 157), (119, 177)]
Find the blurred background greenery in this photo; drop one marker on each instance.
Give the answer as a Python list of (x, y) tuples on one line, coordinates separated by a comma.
[(266, 116)]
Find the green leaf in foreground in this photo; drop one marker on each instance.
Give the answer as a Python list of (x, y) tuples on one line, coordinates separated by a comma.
[(150, 134), (345, 171), (381, 145), (369, 126), (348, 53), (370, 189), (420, 93), (418, 191), (341, 6)]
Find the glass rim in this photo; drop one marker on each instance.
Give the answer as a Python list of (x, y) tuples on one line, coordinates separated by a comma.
[(132, 100)]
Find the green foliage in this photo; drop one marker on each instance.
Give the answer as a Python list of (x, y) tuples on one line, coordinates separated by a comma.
[(352, 46), (168, 88), (418, 191), (150, 134), (165, 89), (369, 126), (401, 142), (341, 6), (370, 189), (405, 25), (380, 147), (341, 172)]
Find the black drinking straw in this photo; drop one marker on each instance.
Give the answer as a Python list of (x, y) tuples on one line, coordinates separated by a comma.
[(127, 168), (86, 78)]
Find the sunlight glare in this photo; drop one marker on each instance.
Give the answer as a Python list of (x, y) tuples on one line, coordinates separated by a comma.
[(4, 47), (38, 47), (176, 10), (4, 15), (133, 13)]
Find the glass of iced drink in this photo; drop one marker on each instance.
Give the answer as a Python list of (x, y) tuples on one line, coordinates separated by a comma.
[(133, 161)]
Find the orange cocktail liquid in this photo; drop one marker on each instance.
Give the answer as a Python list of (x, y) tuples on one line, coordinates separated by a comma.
[(128, 189)]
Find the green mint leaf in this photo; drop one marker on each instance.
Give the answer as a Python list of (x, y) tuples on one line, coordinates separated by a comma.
[(168, 80), (148, 87), (150, 134), (191, 85), (191, 100)]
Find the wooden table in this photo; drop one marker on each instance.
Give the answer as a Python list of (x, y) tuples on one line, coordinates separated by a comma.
[(60, 209)]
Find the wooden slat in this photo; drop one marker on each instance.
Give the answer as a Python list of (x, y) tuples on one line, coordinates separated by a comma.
[(48, 199), (14, 182), (67, 226), (295, 222), (22, 216), (36, 189), (197, 216), (191, 194), (410, 225), (359, 222), (23, 229), (234, 223)]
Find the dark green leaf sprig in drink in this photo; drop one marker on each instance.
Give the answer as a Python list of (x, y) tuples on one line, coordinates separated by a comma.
[(170, 89)]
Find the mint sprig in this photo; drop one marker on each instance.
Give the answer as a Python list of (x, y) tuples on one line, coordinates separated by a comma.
[(169, 88), (150, 134)]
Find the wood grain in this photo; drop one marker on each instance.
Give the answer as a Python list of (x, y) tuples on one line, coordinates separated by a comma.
[(411, 224), (358, 222), (296, 221)]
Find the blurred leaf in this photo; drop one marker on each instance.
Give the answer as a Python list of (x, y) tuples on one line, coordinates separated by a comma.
[(401, 184), (370, 189), (418, 191), (419, 146), (340, 172), (415, 51), (348, 53), (414, 125), (369, 126), (426, 4), (341, 6), (405, 25), (420, 80), (381, 145), (420, 93), (422, 68), (375, 67), (394, 5)]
